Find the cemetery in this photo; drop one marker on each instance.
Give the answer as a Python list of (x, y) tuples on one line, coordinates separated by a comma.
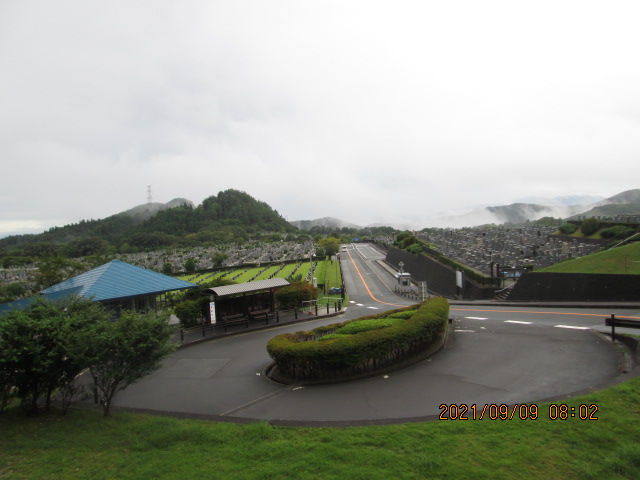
[(483, 249)]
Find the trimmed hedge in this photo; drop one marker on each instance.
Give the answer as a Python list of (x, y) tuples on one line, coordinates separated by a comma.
[(303, 356), (352, 328)]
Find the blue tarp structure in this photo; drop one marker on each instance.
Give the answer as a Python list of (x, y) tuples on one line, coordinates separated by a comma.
[(113, 282)]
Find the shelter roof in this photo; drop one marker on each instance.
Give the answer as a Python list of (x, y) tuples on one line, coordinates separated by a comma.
[(116, 280), (248, 287)]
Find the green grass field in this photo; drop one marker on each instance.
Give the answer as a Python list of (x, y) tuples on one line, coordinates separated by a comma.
[(620, 260), (84, 445), (325, 271)]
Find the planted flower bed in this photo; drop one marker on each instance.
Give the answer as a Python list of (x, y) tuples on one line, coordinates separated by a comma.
[(362, 346)]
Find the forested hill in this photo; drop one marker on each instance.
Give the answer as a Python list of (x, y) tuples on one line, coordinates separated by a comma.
[(231, 216)]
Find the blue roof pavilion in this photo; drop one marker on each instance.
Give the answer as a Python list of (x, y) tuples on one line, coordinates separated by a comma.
[(117, 280), (116, 284)]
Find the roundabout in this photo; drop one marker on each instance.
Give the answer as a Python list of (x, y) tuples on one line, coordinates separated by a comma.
[(495, 356)]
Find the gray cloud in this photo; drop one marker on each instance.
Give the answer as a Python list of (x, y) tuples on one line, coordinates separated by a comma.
[(366, 111)]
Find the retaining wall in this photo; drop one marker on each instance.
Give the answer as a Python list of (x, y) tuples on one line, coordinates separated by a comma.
[(562, 287), (440, 278)]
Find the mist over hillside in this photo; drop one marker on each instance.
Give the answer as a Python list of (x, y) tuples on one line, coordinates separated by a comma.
[(144, 212), (565, 207), (624, 203)]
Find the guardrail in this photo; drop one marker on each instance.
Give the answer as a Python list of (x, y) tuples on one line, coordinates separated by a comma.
[(614, 322)]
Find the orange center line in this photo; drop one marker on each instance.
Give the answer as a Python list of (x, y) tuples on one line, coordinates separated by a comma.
[(367, 286)]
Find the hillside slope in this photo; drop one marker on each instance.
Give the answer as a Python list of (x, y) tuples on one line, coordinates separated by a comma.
[(230, 216)]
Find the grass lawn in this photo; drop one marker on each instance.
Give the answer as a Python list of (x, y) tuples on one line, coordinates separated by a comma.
[(84, 445), (625, 259)]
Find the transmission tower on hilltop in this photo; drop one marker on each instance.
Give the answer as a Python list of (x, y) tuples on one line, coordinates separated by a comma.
[(149, 196)]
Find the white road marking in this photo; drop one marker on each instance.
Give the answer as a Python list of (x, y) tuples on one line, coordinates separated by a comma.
[(374, 308), (518, 321), (476, 318), (465, 331), (571, 326)]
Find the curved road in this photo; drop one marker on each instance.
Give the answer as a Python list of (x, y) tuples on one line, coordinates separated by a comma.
[(501, 355)]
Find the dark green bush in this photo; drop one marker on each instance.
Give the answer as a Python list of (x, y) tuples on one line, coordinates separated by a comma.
[(590, 226), (414, 248), (189, 312), (568, 228), (293, 295), (617, 232)]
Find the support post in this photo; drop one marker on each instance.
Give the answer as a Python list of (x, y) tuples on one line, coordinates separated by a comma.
[(612, 320)]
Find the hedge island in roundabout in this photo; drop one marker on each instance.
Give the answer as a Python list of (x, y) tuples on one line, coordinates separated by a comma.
[(362, 347)]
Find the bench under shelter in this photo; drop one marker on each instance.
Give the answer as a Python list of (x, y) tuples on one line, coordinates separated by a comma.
[(243, 302)]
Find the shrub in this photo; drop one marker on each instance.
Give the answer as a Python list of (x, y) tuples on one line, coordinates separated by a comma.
[(568, 228), (590, 226), (332, 336), (293, 295), (414, 248), (406, 314), (352, 328), (619, 231), (188, 311)]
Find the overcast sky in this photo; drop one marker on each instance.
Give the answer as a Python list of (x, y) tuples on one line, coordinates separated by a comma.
[(367, 111)]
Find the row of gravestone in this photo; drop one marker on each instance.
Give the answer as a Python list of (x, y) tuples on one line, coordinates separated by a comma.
[(484, 248)]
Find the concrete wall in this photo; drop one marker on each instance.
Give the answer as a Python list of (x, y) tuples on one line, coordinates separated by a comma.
[(440, 278), (562, 287)]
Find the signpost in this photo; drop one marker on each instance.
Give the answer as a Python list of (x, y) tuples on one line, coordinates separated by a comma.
[(212, 311)]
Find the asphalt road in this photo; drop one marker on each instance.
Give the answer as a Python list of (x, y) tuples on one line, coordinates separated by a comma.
[(496, 355)]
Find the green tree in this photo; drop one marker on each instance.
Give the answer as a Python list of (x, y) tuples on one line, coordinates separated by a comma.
[(219, 257), (331, 245), (167, 268), (414, 248), (568, 228), (54, 270), (293, 295), (590, 226), (122, 352), (190, 265), (35, 357), (188, 311)]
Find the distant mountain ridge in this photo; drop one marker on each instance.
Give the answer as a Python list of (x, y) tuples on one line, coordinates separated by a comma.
[(625, 203), (231, 216), (144, 212), (234, 216), (329, 222)]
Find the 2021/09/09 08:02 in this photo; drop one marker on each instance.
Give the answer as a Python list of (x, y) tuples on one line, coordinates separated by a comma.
[(494, 411)]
